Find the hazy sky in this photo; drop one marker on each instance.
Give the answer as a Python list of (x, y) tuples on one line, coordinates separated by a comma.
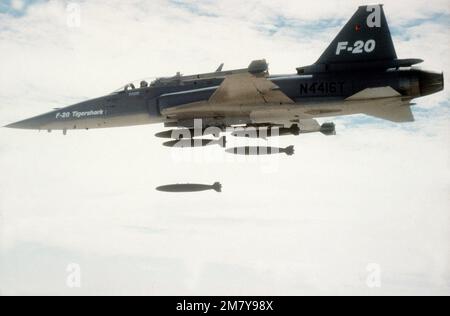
[(371, 203)]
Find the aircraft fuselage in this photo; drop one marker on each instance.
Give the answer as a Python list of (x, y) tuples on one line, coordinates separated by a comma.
[(314, 95)]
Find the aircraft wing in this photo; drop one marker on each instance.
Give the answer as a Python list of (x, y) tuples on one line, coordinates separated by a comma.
[(238, 95), (248, 89), (399, 113), (374, 93)]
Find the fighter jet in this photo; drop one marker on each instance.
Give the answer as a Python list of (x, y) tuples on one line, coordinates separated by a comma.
[(359, 73)]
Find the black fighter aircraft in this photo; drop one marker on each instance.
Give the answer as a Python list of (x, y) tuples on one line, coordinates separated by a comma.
[(358, 73)]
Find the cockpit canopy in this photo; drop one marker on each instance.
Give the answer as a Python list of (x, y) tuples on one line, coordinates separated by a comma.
[(144, 83), (134, 85), (255, 67)]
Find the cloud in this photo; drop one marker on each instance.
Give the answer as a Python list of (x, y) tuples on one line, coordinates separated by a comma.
[(376, 192)]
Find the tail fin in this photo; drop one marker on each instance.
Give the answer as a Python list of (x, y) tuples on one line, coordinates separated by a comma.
[(289, 150), (366, 37), (217, 187)]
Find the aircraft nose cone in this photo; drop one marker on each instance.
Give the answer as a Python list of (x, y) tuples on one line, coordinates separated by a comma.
[(13, 125), (25, 124)]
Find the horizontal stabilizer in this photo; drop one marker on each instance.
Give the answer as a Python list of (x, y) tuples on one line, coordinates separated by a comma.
[(374, 93), (393, 113), (383, 102)]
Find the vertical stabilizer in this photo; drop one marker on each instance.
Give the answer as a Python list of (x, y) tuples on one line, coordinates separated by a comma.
[(365, 37)]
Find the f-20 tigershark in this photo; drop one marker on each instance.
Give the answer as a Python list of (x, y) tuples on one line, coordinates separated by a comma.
[(358, 73)]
